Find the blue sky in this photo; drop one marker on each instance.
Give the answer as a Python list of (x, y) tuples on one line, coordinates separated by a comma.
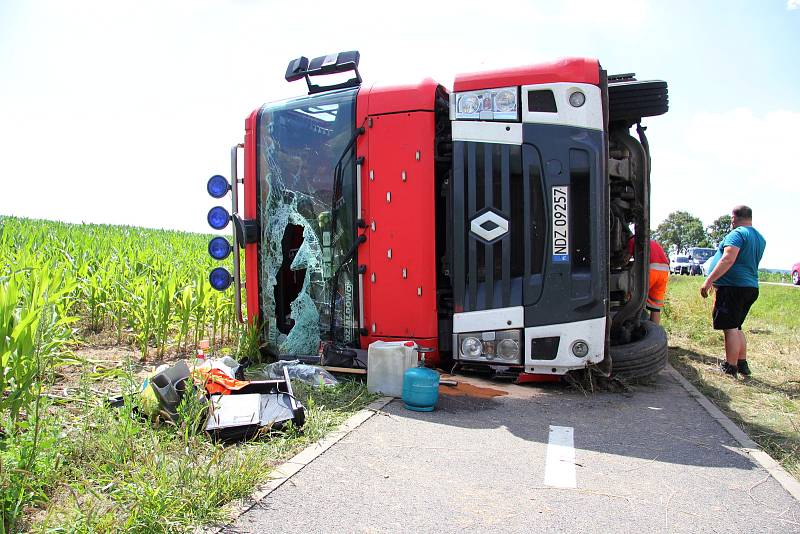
[(118, 112)]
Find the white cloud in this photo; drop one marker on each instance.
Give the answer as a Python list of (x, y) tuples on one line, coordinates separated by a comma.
[(714, 161), (792, 4)]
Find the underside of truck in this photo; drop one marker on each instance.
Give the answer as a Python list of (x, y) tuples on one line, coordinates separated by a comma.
[(490, 223)]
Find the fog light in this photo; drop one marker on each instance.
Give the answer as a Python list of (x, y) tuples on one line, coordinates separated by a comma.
[(577, 99), (218, 186), (580, 348), (508, 349), (218, 217), (219, 248), (220, 279), (471, 347)]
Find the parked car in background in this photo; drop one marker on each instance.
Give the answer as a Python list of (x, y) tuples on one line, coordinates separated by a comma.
[(679, 264), (697, 257), (796, 274)]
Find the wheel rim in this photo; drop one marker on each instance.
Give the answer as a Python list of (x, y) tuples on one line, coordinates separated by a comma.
[(796, 278)]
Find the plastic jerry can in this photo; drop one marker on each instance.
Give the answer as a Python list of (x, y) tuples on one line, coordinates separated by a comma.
[(387, 361), (421, 387)]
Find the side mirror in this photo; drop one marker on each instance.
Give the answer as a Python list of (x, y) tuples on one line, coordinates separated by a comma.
[(297, 69)]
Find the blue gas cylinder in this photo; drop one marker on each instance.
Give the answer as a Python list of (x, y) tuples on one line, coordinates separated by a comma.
[(420, 388)]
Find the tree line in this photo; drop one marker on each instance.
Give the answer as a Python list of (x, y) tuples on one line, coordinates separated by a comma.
[(681, 230)]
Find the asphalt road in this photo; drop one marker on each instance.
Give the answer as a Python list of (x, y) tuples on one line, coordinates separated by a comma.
[(652, 462)]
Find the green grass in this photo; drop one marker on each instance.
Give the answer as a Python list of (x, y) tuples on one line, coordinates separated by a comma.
[(68, 463), (767, 405), (113, 472)]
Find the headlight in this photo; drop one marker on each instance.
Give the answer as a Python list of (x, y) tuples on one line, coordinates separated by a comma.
[(508, 349), (577, 99), (505, 101), (468, 104), (488, 104), (580, 348), (501, 346), (471, 347)]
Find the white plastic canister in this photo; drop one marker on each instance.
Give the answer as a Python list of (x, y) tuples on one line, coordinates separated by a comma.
[(387, 362)]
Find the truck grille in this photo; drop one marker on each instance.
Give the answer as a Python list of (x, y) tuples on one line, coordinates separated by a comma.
[(498, 225)]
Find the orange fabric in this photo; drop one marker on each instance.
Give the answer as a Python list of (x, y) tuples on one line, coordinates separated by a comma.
[(658, 289), (217, 382)]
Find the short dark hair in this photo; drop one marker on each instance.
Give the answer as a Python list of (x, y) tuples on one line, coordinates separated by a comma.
[(742, 212)]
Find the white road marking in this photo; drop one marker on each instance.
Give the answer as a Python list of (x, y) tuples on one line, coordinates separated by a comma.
[(559, 469)]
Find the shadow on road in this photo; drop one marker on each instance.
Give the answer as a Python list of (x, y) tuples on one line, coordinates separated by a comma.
[(658, 421)]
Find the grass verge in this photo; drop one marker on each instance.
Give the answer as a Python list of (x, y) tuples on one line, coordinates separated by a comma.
[(107, 470), (766, 405)]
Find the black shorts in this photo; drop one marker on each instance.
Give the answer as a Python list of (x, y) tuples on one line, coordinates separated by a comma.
[(731, 305)]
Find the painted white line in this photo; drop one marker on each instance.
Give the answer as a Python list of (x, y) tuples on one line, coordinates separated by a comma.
[(559, 469)]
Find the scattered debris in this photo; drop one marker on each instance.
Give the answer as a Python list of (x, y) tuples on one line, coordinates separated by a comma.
[(230, 408)]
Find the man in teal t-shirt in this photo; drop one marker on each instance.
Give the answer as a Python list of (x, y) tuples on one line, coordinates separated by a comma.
[(734, 275)]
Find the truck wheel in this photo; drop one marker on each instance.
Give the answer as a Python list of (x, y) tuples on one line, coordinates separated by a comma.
[(634, 99), (796, 278), (641, 358)]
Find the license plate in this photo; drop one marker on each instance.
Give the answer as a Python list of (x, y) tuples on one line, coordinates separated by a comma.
[(560, 224)]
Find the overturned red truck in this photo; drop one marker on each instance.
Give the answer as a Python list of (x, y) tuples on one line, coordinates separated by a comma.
[(489, 223)]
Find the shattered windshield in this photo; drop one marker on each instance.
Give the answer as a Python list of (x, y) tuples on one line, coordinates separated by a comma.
[(307, 219)]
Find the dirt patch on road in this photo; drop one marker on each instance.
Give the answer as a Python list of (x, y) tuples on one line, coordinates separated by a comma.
[(462, 389)]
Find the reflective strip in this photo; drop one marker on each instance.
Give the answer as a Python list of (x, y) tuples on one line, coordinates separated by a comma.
[(659, 267)]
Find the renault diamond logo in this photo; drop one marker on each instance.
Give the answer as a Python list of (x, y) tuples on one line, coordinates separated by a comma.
[(489, 226)]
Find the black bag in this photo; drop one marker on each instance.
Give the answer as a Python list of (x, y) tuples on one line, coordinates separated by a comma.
[(338, 356)]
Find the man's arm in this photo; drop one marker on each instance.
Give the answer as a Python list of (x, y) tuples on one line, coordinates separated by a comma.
[(729, 255)]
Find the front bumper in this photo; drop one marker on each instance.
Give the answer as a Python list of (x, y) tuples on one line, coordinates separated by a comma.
[(547, 349)]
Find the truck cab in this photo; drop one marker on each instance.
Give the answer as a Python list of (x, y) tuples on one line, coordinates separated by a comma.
[(488, 222)]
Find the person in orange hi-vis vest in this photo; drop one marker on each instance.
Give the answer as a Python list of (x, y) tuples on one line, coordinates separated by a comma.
[(658, 278)]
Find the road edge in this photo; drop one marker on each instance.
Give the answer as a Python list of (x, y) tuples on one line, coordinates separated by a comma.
[(748, 446), (296, 463)]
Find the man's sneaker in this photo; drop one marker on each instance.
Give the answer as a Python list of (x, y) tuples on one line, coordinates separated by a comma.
[(728, 369), (743, 368)]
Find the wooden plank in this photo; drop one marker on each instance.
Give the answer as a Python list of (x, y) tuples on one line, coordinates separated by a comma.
[(345, 370)]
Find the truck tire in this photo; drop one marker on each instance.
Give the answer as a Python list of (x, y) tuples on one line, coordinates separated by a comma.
[(642, 358), (634, 99)]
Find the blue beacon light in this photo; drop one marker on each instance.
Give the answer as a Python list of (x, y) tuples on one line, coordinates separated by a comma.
[(219, 248), (218, 186), (218, 217), (220, 279)]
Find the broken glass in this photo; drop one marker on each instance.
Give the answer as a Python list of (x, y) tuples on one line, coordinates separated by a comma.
[(306, 232)]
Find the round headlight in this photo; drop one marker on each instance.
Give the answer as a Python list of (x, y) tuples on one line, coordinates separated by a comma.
[(468, 104), (508, 349), (217, 186), (220, 279), (219, 248), (218, 217), (471, 347), (577, 99), (505, 101), (580, 348)]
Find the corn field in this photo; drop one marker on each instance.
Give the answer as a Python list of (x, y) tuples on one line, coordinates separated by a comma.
[(144, 287), (65, 285)]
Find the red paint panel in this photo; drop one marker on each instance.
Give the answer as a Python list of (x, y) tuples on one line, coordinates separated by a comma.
[(388, 148), (404, 217), (250, 212), (575, 70), (399, 98)]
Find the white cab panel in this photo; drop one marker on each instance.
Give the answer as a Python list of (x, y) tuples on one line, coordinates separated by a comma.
[(506, 133), (589, 115), (593, 332), (481, 321)]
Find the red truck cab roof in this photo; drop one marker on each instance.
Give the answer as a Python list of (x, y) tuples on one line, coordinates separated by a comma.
[(574, 70)]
